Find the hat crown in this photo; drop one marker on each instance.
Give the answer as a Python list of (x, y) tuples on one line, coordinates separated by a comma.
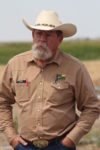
[(49, 20), (48, 17)]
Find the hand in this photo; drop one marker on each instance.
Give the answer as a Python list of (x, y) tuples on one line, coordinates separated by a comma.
[(18, 140), (68, 142)]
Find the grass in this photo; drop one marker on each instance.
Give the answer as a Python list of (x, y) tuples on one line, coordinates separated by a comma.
[(83, 50), (16, 123), (8, 50)]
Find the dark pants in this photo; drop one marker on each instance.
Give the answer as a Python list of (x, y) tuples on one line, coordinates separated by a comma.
[(52, 146)]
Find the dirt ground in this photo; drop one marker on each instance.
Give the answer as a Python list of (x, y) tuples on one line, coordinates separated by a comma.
[(93, 68)]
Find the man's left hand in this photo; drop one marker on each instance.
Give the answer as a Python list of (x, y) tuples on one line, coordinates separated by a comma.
[(68, 142)]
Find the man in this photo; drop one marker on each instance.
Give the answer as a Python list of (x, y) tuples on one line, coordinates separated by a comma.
[(46, 85)]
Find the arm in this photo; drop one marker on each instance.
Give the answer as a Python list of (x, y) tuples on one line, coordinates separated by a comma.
[(6, 101), (87, 103)]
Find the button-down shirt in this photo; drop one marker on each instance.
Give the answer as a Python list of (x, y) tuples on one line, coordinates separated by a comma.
[(47, 98)]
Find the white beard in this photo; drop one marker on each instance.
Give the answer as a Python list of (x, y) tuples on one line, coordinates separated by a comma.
[(41, 51)]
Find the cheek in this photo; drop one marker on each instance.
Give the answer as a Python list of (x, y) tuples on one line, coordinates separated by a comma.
[(35, 39), (52, 44)]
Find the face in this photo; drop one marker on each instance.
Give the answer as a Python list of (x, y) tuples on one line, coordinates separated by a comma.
[(45, 43)]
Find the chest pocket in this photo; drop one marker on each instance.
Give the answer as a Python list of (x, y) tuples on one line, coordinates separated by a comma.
[(61, 92), (22, 91)]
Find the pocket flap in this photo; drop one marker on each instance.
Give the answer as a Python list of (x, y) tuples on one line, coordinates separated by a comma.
[(60, 86)]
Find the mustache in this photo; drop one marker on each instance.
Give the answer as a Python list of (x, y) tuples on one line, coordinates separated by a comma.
[(40, 45)]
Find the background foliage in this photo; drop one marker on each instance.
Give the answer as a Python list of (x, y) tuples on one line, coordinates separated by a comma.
[(82, 49)]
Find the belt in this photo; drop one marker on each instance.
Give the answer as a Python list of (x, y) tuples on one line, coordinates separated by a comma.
[(42, 143)]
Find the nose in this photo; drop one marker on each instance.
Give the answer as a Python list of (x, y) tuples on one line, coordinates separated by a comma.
[(43, 37)]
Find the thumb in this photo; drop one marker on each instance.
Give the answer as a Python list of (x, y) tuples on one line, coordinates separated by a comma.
[(22, 141)]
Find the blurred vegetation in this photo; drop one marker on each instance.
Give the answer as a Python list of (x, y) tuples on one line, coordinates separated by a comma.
[(93, 137), (82, 49), (16, 123), (8, 50)]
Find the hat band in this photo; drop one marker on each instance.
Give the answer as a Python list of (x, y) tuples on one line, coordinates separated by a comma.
[(44, 24)]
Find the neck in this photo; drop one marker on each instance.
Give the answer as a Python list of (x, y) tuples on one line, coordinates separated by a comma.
[(41, 63)]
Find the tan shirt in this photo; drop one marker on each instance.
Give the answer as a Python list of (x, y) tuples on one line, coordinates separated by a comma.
[(46, 98)]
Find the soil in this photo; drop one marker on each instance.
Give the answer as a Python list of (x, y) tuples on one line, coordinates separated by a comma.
[(93, 68)]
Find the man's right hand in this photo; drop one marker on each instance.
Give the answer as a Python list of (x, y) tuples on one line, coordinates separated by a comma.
[(18, 140)]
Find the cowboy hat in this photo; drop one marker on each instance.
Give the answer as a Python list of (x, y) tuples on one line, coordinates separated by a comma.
[(49, 20)]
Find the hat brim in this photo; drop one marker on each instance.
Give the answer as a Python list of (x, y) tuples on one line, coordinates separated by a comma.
[(68, 29)]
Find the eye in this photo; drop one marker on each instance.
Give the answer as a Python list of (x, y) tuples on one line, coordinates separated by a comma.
[(38, 33), (49, 34)]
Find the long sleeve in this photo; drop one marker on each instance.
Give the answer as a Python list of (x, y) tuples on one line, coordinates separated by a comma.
[(87, 103), (6, 101)]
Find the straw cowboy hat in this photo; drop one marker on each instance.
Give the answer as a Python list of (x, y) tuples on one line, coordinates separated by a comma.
[(49, 20)]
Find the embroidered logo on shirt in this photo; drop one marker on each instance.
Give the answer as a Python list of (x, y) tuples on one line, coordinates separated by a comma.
[(60, 77)]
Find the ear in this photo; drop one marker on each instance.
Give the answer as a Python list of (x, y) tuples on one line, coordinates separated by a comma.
[(60, 39)]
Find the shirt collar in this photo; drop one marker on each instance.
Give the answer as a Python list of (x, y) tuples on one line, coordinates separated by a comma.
[(56, 59), (29, 57)]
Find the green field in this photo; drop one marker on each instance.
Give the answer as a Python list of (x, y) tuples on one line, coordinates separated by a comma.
[(84, 50)]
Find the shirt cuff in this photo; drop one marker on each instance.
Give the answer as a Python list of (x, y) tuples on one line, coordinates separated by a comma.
[(76, 134)]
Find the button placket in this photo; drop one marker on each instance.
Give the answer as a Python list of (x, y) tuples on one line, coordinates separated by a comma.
[(39, 104)]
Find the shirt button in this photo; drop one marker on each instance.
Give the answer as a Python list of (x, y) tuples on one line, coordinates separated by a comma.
[(38, 124), (39, 97), (41, 82)]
